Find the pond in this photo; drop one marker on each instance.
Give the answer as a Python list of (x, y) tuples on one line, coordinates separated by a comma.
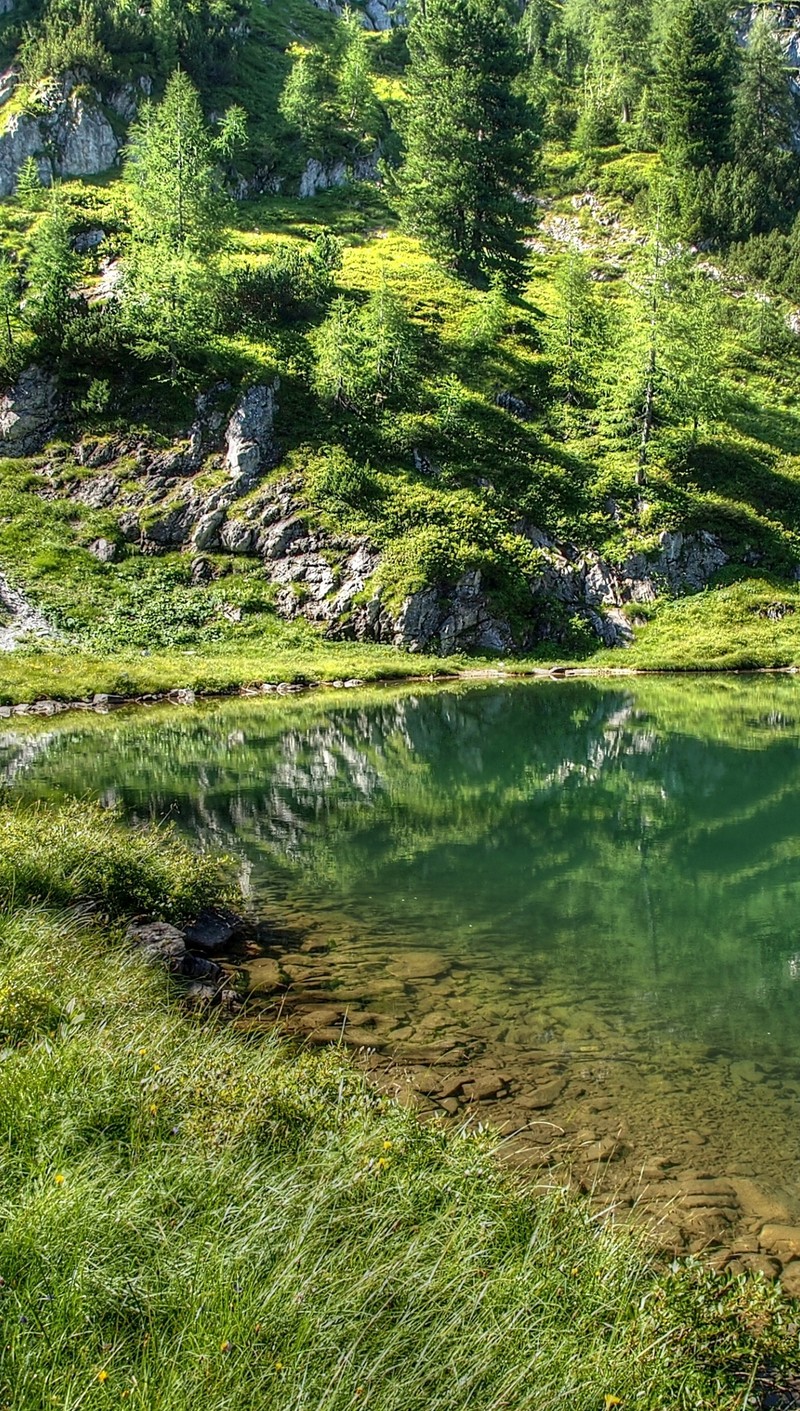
[(568, 908)]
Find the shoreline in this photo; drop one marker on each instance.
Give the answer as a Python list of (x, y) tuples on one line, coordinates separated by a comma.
[(102, 703)]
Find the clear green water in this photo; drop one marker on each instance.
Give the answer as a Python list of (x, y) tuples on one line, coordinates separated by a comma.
[(611, 870)]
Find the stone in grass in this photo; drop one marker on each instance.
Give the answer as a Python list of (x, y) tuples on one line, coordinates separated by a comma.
[(790, 1279), (163, 944), (782, 1240)]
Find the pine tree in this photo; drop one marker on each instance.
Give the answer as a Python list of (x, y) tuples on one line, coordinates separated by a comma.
[(696, 87), (471, 144)]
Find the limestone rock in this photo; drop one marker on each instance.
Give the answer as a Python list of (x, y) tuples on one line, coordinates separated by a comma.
[(18, 618), (783, 1240), (104, 551), (250, 437), (29, 412), (319, 177), (70, 136)]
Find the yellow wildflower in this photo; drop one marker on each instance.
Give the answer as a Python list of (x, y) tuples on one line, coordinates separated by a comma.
[(59, 1179), (102, 1375), (387, 1145), (610, 1401), (153, 1109), (225, 1346)]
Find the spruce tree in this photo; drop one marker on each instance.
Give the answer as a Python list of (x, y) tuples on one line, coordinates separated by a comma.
[(696, 87), (471, 142)]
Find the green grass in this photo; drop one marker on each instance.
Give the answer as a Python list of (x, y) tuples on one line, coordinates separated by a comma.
[(73, 675), (191, 1217), (729, 628)]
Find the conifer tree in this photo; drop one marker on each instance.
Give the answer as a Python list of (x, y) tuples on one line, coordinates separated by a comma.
[(696, 87), (471, 143), (178, 208), (172, 170), (765, 118), (354, 92), (51, 276), (575, 337), (693, 350), (30, 190)]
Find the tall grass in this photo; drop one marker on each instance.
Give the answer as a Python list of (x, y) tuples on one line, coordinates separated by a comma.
[(194, 1217), (80, 853)]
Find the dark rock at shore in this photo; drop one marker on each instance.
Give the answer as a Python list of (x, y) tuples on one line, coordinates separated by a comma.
[(163, 944), (213, 930)]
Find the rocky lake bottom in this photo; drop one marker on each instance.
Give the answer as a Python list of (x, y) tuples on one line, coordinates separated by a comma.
[(569, 910)]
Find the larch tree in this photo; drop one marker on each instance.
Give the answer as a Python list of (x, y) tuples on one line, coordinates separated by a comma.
[(575, 336), (178, 210)]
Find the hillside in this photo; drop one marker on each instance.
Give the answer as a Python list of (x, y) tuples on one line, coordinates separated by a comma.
[(297, 415)]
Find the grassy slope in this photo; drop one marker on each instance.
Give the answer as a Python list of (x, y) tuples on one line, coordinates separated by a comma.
[(743, 481), (191, 1218)]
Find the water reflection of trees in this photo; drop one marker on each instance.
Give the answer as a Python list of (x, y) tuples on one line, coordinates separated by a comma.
[(639, 834)]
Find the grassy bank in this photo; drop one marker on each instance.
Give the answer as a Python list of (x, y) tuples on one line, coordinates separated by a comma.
[(738, 626), (191, 1218)]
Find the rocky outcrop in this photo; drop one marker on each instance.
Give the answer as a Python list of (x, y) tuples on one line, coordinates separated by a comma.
[(376, 14), (29, 412), (250, 436), (321, 176), (19, 620), (66, 133), (333, 579)]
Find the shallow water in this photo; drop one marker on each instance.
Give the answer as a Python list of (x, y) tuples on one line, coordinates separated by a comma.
[(587, 881)]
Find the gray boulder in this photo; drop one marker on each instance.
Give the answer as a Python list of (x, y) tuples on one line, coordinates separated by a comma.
[(320, 177), (18, 618), (163, 944), (104, 551)]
